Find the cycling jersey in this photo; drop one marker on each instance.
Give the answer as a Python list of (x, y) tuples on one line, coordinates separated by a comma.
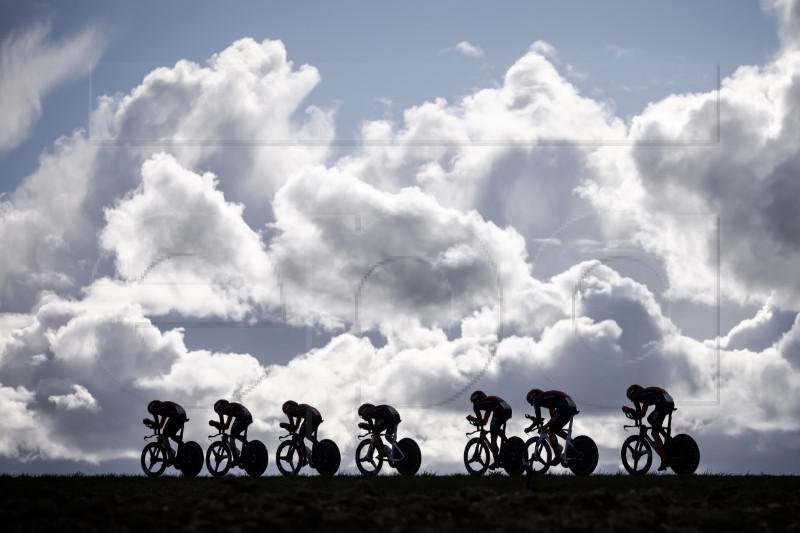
[(500, 410), (169, 410), (302, 411), (493, 404), (236, 410), (655, 396), (558, 402)]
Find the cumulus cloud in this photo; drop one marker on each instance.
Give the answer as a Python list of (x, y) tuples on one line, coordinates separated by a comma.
[(32, 65), (247, 96), (79, 399)]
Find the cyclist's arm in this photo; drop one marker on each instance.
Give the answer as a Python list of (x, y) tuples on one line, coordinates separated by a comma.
[(163, 420), (226, 423), (537, 410), (641, 409)]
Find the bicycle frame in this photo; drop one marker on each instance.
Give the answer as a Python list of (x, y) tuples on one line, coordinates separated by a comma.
[(644, 431), (569, 452), (391, 438), (481, 428)]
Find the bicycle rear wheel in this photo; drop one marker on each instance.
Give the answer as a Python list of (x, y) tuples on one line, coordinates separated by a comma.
[(637, 455), (190, 459), (327, 457), (512, 456), (538, 457), (684, 455), (154, 459), (287, 457), (218, 459), (413, 457), (586, 462), (477, 456), (254, 458)]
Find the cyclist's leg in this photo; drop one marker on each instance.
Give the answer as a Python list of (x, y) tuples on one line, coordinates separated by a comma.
[(656, 419), (380, 425), (300, 439), (170, 431), (495, 429)]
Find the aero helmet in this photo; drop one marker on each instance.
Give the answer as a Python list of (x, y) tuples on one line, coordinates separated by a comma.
[(633, 389), (477, 395), (288, 405), (532, 394)]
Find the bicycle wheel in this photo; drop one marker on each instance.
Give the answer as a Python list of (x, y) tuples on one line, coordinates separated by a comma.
[(190, 459), (409, 465), (637, 455), (288, 458), (218, 459), (327, 457), (154, 459), (254, 458), (586, 461), (538, 455), (477, 456), (368, 464), (512, 456), (684, 455)]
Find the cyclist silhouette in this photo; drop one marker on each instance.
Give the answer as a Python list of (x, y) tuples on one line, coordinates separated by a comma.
[(380, 418), (171, 414), (562, 408), (311, 420), (663, 404), (241, 420), (500, 412)]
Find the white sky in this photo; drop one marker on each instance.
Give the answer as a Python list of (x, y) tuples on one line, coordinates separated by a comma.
[(377, 259)]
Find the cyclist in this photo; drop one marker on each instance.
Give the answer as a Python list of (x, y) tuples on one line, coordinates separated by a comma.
[(662, 403), (562, 408), (380, 418), (500, 412), (171, 414), (241, 420), (311, 421)]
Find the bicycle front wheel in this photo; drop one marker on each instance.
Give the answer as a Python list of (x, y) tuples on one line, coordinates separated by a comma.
[(539, 454), (218, 459), (637, 455), (288, 458), (477, 456), (368, 463), (154, 459)]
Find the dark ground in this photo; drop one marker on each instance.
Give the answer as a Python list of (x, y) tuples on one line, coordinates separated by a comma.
[(392, 503)]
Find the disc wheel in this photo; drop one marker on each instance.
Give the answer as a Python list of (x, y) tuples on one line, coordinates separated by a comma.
[(287, 457), (684, 455), (586, 462), (512, 456), (538, 455), (477, 456), (218, 459), (154, 459), (326, 457), (412, 459), (255, 458), (368, 464), (637, 455)]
